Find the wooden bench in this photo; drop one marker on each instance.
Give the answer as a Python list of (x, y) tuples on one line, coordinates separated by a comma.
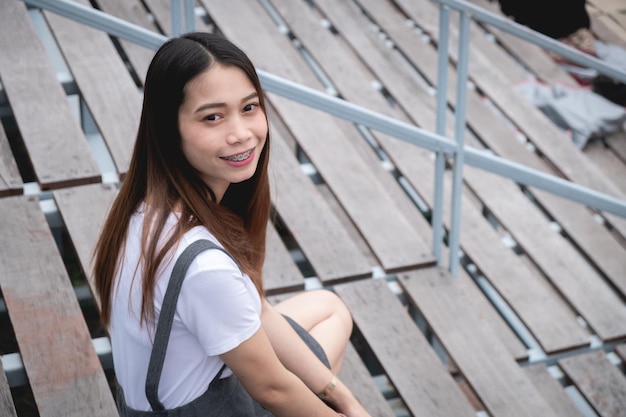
[(55, 345), (10, 179), (105, 84), (601, 383), (397, 243), (515, 220), (479, 240), (595, 239), (325, 243), (56, 146), (410, 363), (483, 360)]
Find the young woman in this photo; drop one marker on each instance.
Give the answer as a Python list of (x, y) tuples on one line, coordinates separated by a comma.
[(192, 333)]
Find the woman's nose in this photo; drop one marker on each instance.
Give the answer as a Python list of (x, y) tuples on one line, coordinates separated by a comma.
[(238, 131)]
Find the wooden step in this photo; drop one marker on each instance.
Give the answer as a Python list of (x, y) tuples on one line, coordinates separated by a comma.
[(10, 179), (409, 361), (7, 408), (56, 145), (55, 345), (600, 382)]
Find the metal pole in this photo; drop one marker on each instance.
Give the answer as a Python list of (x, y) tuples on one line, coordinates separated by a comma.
[(459, 132), (442, 89), (190, 15), (177, 26)]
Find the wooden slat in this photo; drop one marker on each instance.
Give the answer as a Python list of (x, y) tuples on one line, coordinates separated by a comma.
[(607, 162), (602, 384), (521, 286), (105, 84), (409, 361), (83, 210), (10, 179), (397, 244), (617, 143), (569, 272), (493, 374), (280, 273), (599, 245), (7, 408), (56, 145), (62, 367), (355, 376), (551, 390), (322, 238)]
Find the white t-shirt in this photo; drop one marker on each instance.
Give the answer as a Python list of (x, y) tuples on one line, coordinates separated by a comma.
[(218, 308)]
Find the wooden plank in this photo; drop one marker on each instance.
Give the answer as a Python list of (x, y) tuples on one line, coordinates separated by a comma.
[(601, 383), (320, 235), (397, 244), (7, 408), (10, 179), (409, 361), (62, 367), (587, 292), (83, 210), (280, 273), (485, 363), (551, 390), (480, 242), (607, 29), (39, 105), (355, 375), (607, 162), (103, 79), (597, 242)]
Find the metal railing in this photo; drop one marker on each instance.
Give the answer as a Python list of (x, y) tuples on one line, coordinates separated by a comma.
[(436, 142)]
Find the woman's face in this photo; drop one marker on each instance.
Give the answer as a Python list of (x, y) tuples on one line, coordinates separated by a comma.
[(222, 126)]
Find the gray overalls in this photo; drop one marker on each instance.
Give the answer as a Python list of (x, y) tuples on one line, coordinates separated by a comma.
[(224, 397)]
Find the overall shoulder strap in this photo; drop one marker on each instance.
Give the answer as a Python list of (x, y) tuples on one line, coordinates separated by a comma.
[(166, 318)]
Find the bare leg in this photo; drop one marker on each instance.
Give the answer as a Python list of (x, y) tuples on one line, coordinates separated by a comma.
[(325, 317)]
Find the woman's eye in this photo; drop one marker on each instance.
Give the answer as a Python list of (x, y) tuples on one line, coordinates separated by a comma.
[(212, 117), (250, 107)]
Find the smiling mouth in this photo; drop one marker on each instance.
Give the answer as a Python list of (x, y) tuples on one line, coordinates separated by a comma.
[(239, 157)]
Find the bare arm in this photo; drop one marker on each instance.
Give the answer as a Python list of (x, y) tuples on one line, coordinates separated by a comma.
[(268, 382), (296, 356)]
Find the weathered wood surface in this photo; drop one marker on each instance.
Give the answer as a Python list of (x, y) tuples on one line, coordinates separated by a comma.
[(356, 377), (595, 239), (104, 82), (394, 240), (551, 390), (410, 363), (280, 273), (474, 348), (62, 367), (10, 179), (7, 408), (512, 277), (56, 145), (320, 235), (602, 384)]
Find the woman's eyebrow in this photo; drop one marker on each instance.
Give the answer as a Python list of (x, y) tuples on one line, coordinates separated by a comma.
[(207, 106)]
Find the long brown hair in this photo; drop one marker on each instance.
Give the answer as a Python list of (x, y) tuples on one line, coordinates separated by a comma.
[(160, 175)]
